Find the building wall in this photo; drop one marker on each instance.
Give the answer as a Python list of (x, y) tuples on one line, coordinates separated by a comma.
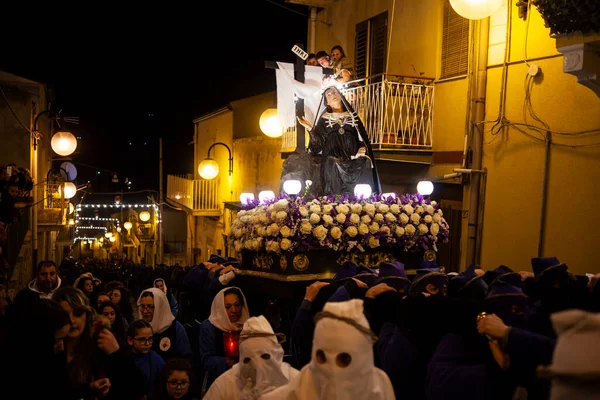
[(515, 162)]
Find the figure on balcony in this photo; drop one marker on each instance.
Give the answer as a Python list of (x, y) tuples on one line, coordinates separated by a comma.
[(340, 138)]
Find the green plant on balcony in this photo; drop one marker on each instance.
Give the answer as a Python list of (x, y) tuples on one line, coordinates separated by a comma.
[(564, 17)]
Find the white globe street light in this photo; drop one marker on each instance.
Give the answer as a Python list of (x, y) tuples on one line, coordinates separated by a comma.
[(63, 143), (68, 190), (144, 216), (208, 168), (269, 123), (425, 188), (476, 9)]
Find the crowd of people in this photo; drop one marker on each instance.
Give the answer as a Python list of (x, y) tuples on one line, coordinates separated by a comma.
[(343, 68), (90, 329)]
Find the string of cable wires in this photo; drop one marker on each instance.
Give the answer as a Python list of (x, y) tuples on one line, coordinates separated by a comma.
[(537, 132)]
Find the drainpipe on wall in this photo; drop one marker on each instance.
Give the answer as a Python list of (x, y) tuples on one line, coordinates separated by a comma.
[(313, 30), (477, 140)]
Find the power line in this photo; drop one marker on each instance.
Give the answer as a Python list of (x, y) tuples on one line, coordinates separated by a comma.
[(13, 111)]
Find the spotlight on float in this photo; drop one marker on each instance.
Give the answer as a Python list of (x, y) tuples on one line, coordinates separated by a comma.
[(476, 9), (362, 190), (208, 168), (144, 216), (63, 143), (68, 190), (269, 123), (425, 188), (246, 198), (292, 187), (266, 195)]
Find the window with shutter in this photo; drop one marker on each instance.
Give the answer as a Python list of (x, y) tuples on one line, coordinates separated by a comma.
[(455, 44), (371, 46)]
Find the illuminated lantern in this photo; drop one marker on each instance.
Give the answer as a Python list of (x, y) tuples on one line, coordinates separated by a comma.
[(292, 186), (208, 169), (476, 9), (266, 195), (128, 225), (362, 190), (246, 198), (144, 216), (69, 190), (269, 123), (63, 143), (425, 188)]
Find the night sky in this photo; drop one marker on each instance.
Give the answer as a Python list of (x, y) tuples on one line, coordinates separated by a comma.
[(133, 75)]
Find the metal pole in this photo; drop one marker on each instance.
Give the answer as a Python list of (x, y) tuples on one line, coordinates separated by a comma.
[(160, 202)]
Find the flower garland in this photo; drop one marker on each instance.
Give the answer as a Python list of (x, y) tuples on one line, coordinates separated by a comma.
[(340, 223)]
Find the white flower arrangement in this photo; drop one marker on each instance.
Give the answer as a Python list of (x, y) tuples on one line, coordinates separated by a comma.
[(340, 223)]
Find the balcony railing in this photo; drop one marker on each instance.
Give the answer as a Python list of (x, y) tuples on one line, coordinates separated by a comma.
[(397, 112), (53, 206), (199, 195)]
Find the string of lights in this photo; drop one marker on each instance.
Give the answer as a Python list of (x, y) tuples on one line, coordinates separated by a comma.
[(80, 206), (97, 219)]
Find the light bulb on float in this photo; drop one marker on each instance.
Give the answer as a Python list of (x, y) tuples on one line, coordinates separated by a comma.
[(63, 143), (425, 188), (266, 195), (269, 123), (476, 9), (292, 187), (362, 190), (208, 169), (246, 198)]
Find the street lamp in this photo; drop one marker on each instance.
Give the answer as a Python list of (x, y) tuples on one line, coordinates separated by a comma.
[(127, 225), (144, 216), (269, 123), (475, 9), (63, 143), (209, 169), (68, 190)]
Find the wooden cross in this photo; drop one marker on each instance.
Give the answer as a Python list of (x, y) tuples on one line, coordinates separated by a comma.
[(299, 69)]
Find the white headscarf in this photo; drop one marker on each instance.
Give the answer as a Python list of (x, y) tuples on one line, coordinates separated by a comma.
[(163, 318), (163, 281), (342, 360), (218, 313)]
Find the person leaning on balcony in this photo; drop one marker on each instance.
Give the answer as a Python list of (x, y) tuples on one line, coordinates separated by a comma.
[(341, 64)]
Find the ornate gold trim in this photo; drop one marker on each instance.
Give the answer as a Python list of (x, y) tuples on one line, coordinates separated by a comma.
[(286, 278)]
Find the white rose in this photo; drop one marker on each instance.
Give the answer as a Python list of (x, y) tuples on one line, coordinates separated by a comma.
[(275, 246), (423, 229), (275, 228), (440, 212), (314, 218), (315, 208), (255, 245), (430, 210), (320, 232), (343, 209), (363, 229), (285, 244), (410, 230), (303, 211), (237, 233), (390, 217), (269, 231), (419, 210), (428, 219), (354, 218), (305, 227), (395, 209), (245, 219), (378, 217), (433, 202), (281, 204), (336, 232), (369, 208), (404, 219), (435, 228), (340, 218), (415, 218), (383, 208), (356, 208), (238, 246), (399, 231), (374, 228), (365, 219), (285, 231), (328, 219), (242, 213), (373, 242), (281, 215), (327, 209), (254, 219), (409, 209), (385, 229), (437, 218), (351, 231), (263, 218)]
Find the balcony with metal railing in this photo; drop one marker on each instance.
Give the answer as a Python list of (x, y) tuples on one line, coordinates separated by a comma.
[(53, 207), (198, 196), (397, 112)]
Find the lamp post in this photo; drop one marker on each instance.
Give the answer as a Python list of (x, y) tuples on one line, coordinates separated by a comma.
[(209, 169)]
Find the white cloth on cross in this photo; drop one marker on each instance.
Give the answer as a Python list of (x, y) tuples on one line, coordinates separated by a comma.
[(287, 87)]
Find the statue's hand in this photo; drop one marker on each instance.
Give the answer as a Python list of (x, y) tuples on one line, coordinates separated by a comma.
[(361, 152), (304, 123)]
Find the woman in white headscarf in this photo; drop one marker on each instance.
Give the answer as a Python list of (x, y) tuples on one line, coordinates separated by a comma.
[(261, 367), (170, 339), (220, 332), (342, 360)]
